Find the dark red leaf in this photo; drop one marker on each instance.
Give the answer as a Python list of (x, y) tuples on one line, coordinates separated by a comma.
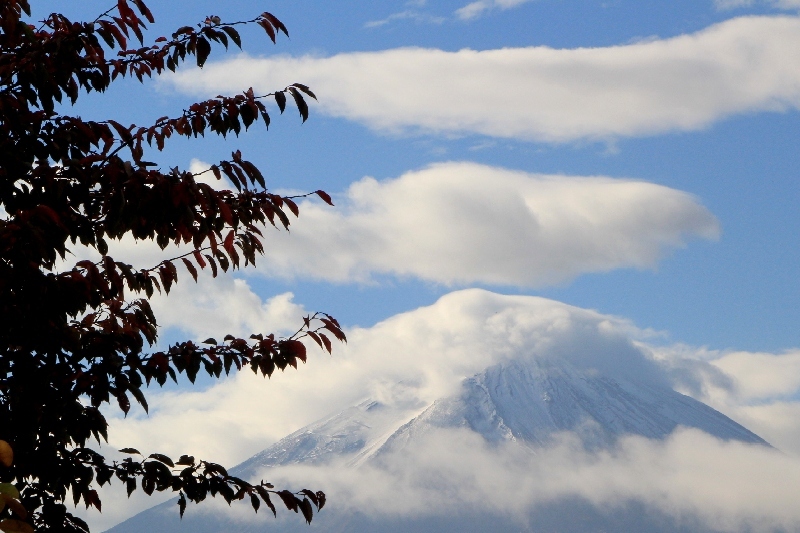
[(325, 197), (202, 51), (300, 102), (190, 267), (275, 22), (280, 99), (292, 206), (326, 341), (289, 500)]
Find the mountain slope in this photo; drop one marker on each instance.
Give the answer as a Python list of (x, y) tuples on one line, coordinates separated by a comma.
[(527, 401)]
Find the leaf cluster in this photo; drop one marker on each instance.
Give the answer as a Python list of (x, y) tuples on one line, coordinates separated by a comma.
[(77, 334)]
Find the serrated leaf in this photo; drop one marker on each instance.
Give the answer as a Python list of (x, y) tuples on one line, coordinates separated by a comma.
[(268, 28), (305, 89), (326, 341), (300, 102), (275, 22), (280, 99), (139, 395), (202, 50), (289, 500), (233, 34), (308, 512), (292, 206), (325, 197), (255, 502), (190, 267)]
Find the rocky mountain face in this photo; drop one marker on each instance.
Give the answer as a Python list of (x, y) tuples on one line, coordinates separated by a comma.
[(527, 401)]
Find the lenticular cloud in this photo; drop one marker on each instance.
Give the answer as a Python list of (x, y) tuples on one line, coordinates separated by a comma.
[(683, 83), (459, 223)]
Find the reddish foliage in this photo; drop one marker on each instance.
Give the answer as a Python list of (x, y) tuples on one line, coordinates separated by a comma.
[(74, 339)]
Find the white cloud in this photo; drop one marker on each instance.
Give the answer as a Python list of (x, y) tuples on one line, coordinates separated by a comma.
[(215, 307), (202, 170), (762, 376), (728, 486), (408, 14), (478, 8), (688, 82), (465, 331), (456, 223), (760, 390), (690, 476)]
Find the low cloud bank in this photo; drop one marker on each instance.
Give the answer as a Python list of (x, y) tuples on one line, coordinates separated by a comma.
[(691, 480), (690, 476), (684, 83)]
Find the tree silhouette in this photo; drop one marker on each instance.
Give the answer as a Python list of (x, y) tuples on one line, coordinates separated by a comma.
[(75, 335)]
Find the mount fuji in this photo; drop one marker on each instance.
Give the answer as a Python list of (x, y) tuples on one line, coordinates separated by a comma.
[(526, 402)]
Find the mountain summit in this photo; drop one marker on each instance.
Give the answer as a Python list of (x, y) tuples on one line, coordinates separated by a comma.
[(529, 402), (492, 413)]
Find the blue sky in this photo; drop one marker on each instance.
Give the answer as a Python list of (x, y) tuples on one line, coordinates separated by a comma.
[(738, 292), (635, 158)]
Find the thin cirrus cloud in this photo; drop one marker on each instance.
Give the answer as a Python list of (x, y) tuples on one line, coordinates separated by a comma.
[(742, 65), (408, 14), (476, 9), (459, 223)]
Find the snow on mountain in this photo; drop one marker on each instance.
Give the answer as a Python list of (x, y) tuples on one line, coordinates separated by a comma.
[(537, 371), (528, 402)]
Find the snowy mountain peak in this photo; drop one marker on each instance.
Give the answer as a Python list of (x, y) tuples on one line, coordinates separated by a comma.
[(526, 400)]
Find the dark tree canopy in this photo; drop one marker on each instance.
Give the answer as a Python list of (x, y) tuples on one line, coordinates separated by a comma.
[(76, 334)]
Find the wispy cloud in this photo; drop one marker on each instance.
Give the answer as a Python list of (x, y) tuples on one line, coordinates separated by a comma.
[(541, 94), (476, 9), (409, 14)]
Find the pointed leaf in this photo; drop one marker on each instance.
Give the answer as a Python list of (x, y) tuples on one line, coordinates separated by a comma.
[(301, 103), (6, 454), (280, 99), (190, 267), (308, 512), (275, 22), (182, 504), (233, 34), (130, 451), (203, 50), (325, 197)]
